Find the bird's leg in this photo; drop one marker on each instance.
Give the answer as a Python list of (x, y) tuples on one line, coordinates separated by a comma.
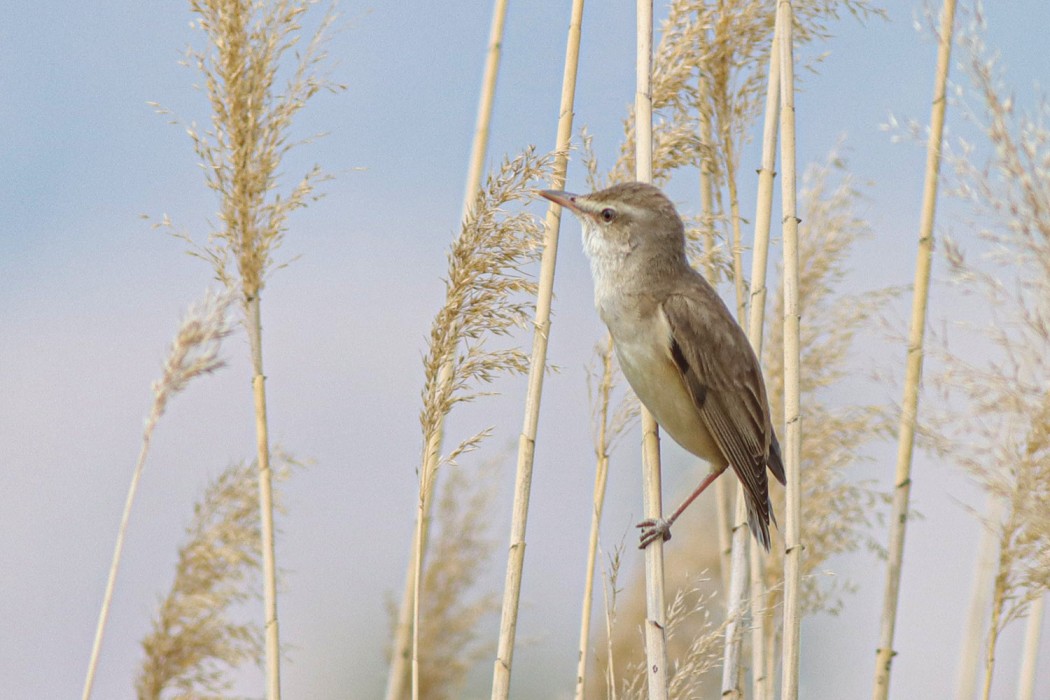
[(653, 528)]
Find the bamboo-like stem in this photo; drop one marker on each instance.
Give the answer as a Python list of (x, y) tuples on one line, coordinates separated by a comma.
[(759, 263), (994, 627), (406, 634), (792, 358), (194, 353), (980, 599), (724, 513), (913, 373), (537, 368), (1030, 651), (761, 619), (114, 568), (488, 91), (734, 219), (655, 604), (427, 478), (760, 682), (262, 444), (738, 578), (601, 474)]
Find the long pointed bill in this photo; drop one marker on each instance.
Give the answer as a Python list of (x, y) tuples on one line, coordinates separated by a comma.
[(565, 199)]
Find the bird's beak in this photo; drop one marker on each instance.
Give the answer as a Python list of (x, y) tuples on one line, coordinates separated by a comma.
[(565, 199)]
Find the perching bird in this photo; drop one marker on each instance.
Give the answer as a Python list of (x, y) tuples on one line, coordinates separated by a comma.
[(680, 349)]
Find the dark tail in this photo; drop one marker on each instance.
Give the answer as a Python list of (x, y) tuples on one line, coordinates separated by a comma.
[(755, 518)]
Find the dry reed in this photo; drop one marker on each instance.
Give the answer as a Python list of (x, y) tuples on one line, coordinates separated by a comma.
[(914, 361), (458, 550), (248, 43), (655, 624), (397, 672), (537, 367), (487, 296), (195, 642), (609, 421), (996, 427), (194, 353)]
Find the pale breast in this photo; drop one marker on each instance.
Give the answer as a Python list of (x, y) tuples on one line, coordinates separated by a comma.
[(643, 349)]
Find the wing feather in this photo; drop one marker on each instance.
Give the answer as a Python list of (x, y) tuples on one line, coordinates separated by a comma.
[(725, 381)]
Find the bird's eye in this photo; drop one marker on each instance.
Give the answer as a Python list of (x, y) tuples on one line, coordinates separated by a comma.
[(607, 214)]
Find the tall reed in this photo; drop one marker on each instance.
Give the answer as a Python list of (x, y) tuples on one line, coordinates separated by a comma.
[(655, 607), (195, 642), (398, 671), (249, 44), (792, 318), (194, 353), (998, 422), (487, 296), (537, 368), (910, 400)]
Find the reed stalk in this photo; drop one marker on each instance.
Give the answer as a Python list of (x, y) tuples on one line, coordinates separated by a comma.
[(604, 433), (1030, 650), (756, 323), (913, 372), (980, 599), (655, 605), (241, 155), (479, 145), (194, 352), (405, 641), (792, 359), (537, 368)]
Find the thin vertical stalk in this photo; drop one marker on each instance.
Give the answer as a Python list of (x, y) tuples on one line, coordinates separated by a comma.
[(114, 568), (994, 628), (761, 619), (741, 540), (792, 318), (262, 444), (760, 682), (1030, 652), (537, 367), (601, 475), (488, 91), (427, 477), (655, 605), (406, 634), (734, 218), (980, 599), (737, 600), (913, 372)]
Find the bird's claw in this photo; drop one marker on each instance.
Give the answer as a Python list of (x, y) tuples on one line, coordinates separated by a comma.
[(653, 528)]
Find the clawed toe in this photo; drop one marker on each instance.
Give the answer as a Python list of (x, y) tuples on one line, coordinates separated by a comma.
[(653, 528)]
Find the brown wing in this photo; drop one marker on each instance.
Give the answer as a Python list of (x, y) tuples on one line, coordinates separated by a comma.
[(724, 379)]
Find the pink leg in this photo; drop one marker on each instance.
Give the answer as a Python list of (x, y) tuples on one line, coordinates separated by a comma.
[(656, 527)]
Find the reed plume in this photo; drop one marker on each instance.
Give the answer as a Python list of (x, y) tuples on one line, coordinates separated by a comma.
[(194, 353), (195, 641)]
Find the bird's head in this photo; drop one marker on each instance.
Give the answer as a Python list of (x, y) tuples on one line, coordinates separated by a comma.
[(624, 218)]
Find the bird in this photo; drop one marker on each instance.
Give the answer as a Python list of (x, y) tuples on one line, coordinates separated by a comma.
[(679, 347)]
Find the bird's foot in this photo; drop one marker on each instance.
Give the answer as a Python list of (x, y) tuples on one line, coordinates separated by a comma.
[(652, 529)]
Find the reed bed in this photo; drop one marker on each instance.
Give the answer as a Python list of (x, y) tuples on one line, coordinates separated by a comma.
[(675, 629)]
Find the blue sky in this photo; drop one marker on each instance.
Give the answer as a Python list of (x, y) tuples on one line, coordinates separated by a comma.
[(90, 296)]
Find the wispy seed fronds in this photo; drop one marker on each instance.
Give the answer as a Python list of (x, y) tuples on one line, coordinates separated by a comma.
[(195, 350), (837, 510), (458, 552), (487, 291), (250, 132), (195, 643)]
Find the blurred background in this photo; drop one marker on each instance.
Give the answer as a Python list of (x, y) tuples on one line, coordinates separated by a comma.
[(90, 296)]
